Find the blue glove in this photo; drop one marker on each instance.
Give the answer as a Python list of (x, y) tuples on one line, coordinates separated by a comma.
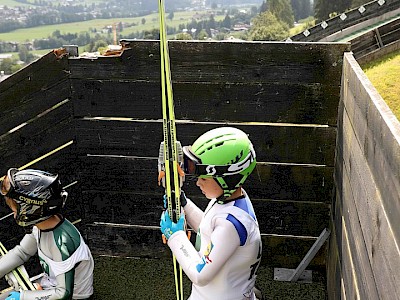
[(13, 296), (168, 227), (183, 199)]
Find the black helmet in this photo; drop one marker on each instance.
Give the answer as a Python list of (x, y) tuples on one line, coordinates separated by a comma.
[(38, 195)]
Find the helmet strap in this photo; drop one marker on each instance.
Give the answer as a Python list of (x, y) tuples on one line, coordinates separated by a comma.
[(229, 185)]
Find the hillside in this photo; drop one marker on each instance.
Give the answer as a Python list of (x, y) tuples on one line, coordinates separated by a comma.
[(383, 74)]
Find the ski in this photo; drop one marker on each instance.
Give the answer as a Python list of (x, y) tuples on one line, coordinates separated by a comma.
[(170, 158)]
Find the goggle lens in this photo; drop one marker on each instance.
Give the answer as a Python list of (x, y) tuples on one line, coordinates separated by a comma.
[(190, 162)]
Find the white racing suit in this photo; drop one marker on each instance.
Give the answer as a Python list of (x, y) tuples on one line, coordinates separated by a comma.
[(229, 253), (65, 259)]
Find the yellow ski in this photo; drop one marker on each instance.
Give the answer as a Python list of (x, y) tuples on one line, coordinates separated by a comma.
[(171, 155)]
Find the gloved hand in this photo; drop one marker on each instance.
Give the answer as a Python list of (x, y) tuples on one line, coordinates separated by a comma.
[(14, 296), (183, 199), (168, 228)]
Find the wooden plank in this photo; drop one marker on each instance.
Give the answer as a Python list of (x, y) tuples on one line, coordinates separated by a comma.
[(32, 104), (279, 182), (333, 267), (208, 101), (287, 143), (33, 89), (356, 237), (39, 136), (146, 242), (351, 287), (363, 204), (284, 66), (275, 217), (372, 10), (377, 133), (227, 62)]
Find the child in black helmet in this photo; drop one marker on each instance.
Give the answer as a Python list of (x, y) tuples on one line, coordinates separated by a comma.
[(224, 262), (36, 198)]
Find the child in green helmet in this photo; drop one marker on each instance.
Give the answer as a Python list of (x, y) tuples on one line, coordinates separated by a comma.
[(36, 199), (228, 244)]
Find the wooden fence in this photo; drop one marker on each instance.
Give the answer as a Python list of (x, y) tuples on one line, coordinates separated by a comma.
[(99, 122), (344, 22), (377, 42), (364, 255)]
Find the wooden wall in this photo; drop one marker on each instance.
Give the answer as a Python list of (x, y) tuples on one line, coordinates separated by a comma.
[(364, 256), (377, 43), (344, 22), (107, 111)]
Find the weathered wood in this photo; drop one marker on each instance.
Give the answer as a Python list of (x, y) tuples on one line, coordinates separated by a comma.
[(366, 223), (366, 176), (39, 136), (32, 90), (355, 237), (274, 67), (280, 182), (366, 44), (373, 9), (136, 241), (213, 101), (275, 217), (284, 96), (373, 131), (333, 266), (286, 143)]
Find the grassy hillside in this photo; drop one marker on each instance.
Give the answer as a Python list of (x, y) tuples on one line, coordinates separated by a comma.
[(152, 21), (12, 3), (384, 75)]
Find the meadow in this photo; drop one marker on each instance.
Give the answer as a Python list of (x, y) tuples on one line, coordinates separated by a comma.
[(152, 22), (12, 3), (384, 75)]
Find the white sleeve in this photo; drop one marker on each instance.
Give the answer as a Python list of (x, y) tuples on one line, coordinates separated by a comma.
[(202, 268), (18, 255), (193, 215)]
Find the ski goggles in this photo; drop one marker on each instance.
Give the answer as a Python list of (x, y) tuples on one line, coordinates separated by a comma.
[(192, 165)]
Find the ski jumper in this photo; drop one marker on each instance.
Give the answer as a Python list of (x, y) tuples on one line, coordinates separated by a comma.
[(229, 250), (64, 257)]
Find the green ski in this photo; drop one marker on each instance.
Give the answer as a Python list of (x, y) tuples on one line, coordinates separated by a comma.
[(170, 158)]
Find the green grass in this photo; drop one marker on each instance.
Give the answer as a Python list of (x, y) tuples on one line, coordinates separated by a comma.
[(11, 3), (384, 75), (152, 21)]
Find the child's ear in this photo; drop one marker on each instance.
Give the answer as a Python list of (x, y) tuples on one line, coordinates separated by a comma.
[(5, 185)]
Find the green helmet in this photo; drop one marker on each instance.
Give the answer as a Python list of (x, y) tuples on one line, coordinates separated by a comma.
[(225, 154)]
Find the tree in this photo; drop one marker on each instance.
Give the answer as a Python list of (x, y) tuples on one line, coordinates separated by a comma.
[(264, 7), (358, 3), (324, 8), (202, 35), (143, 21), (98, 45), (266, 27), (226, 22), (282, 9), (183, 36), (171, 15), (301, 9), (24, 54)]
